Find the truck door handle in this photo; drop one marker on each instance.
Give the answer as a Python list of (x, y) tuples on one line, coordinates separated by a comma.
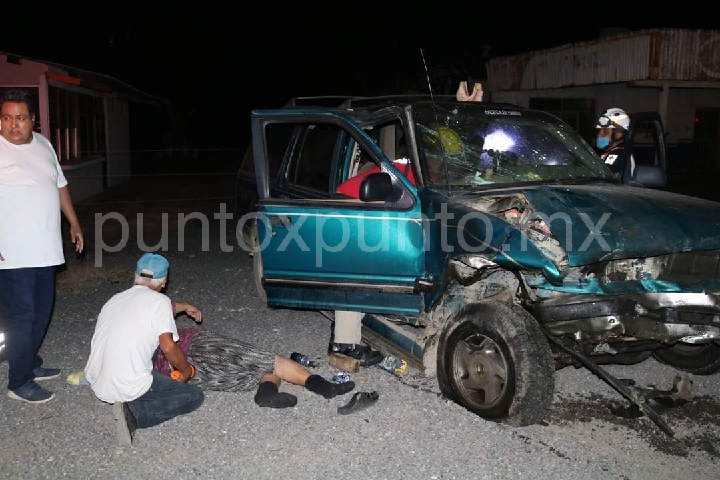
[(281, 222)]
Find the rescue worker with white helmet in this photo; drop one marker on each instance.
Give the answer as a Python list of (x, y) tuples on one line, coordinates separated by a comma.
[(612, 126)]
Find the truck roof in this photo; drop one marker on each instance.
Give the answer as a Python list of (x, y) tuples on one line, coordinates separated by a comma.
[(345, 102)]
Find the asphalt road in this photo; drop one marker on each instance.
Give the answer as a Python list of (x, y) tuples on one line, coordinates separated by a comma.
[(411, 432)]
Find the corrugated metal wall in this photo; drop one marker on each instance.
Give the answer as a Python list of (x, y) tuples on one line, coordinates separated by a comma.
[(647, 55), (687, 55)]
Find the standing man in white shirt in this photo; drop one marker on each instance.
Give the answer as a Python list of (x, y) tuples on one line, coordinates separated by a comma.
[(33, 192)]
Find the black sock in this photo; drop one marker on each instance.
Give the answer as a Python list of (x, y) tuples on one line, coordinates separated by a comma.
[(317, 384), (268, 396)]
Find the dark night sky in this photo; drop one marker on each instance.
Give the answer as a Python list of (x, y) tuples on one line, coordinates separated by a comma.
[(215, 68), (297, 54)]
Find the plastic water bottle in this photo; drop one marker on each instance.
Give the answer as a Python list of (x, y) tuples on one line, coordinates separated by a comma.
[(393, 365), (300, 358), (341, 377)]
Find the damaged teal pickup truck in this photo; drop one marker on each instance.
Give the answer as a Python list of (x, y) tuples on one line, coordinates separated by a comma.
[(487, 244)]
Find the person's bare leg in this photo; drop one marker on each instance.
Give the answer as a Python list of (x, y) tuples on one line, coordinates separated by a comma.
[(271, 377), (290, 371), (293, 372), (268, 395)]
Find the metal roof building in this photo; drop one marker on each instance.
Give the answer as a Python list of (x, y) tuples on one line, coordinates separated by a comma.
[(675, 72)]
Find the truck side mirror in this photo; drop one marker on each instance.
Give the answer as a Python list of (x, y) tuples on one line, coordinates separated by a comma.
[(649, 176), (376, 187)]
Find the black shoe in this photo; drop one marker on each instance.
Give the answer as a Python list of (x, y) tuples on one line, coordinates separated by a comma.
[(31, 392), (125, 423), (364, 353), (359, 401), (42, 373), (268, 396)]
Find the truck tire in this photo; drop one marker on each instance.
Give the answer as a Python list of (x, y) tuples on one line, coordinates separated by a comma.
[(495, 361), (696, 359)]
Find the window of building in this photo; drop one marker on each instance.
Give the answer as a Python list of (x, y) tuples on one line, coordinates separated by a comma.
[(706, 139), (77, 124)]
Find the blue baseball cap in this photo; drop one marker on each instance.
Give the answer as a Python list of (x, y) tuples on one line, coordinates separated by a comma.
[(152, 265)]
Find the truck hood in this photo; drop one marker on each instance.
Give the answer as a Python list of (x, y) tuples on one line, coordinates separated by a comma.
[(607, 222)]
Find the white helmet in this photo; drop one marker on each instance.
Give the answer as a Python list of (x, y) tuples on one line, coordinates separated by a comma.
[(613, 118)]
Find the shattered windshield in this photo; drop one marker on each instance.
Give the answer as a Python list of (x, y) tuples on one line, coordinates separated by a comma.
[(471, 144)]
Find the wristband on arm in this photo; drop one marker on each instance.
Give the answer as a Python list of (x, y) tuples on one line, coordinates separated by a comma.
[(175, 375)]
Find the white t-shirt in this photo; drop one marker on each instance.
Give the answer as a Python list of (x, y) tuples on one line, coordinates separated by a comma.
[(126, 336), (30, 176)]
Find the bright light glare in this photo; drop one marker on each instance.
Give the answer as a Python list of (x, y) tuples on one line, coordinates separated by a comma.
[(499, 141)]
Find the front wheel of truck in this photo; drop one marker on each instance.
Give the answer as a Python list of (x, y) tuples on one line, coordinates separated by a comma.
[(495, 361), (695, 359)]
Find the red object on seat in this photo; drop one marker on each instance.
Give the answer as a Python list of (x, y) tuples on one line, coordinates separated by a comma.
[(351, 186)]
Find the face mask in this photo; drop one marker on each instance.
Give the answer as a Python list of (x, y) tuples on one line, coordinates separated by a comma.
[(602, 142)]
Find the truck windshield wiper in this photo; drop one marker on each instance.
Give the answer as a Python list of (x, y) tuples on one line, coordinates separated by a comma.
[(588, 180)]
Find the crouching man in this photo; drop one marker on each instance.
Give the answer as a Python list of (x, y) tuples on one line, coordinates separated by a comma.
[(130, 328)]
